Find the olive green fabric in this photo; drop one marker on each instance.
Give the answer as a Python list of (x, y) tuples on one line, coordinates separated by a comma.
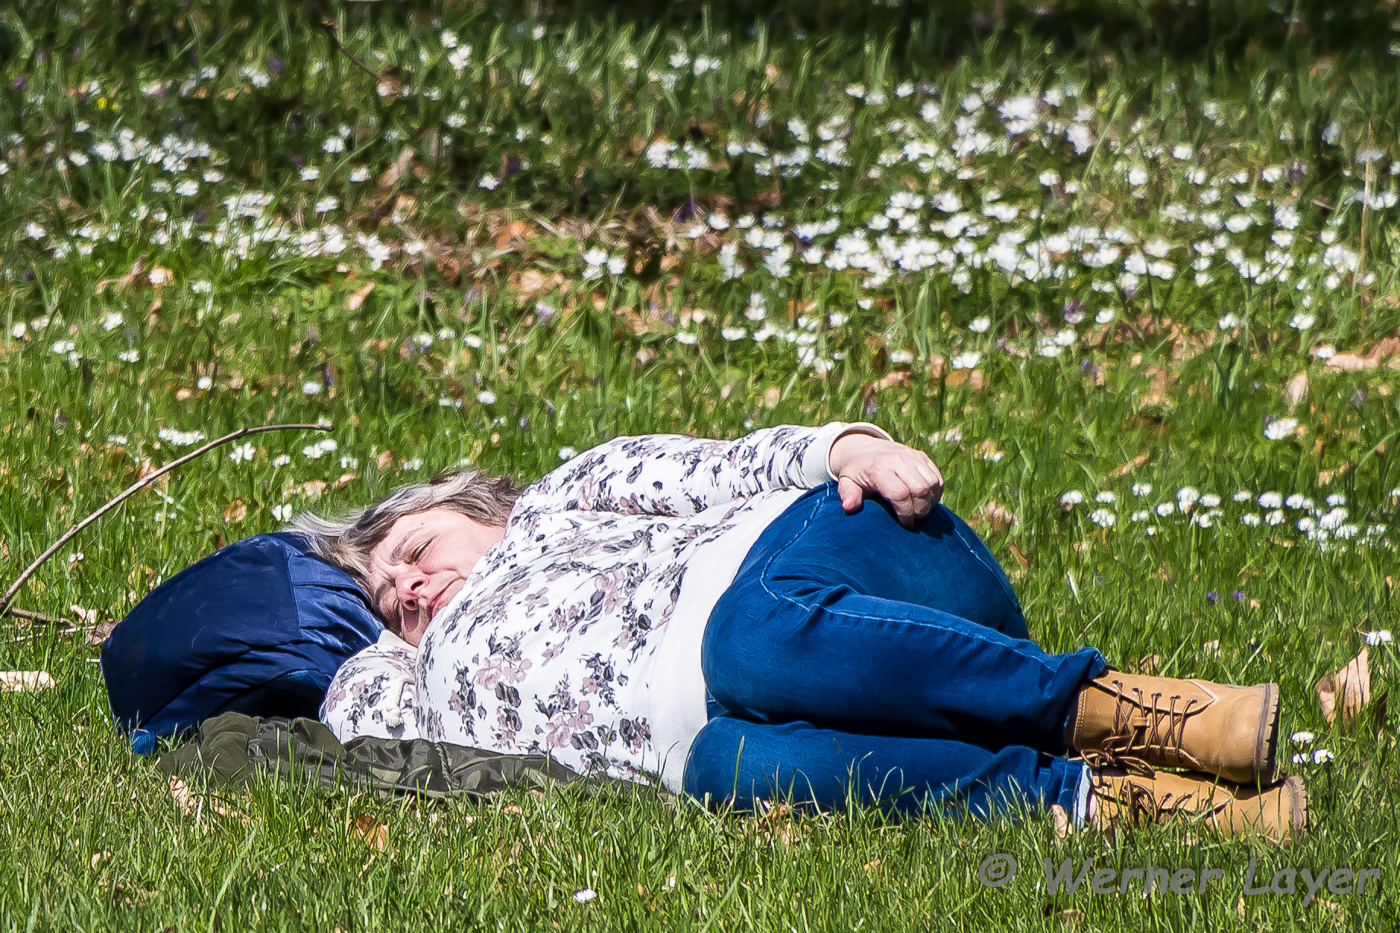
[(234, 749)]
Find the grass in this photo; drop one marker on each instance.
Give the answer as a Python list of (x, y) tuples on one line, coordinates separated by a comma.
[(141, 301)]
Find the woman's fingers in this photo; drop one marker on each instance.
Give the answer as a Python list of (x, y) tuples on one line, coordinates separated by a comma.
[(897, 492), (852, 495), (905, 478), (924, 482)]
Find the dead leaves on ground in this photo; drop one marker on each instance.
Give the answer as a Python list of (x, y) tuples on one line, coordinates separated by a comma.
[(775, 824), (999, 517), (26, 681), (1125, 469), (354, 302), (194, 806), (370, 831), (1343, 693), (1296, 390)]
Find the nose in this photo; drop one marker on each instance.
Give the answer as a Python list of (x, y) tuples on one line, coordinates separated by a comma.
[(409, 587)]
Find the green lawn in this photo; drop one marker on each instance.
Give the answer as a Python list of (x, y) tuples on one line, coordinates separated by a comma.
[(1127, 271)]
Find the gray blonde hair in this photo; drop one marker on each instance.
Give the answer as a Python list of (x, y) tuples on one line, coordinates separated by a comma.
[(346, 540)]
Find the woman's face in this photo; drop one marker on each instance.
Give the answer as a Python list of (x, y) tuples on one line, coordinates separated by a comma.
[(422, 563)]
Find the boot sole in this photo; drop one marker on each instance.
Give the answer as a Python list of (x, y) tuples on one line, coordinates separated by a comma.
[(1298, 816), (1266, 753)]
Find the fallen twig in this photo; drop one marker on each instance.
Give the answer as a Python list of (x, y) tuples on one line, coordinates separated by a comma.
[(28, 616), (328, 26), (130, 491)]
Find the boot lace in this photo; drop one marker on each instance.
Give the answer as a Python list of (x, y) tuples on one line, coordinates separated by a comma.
[(1140, 804), (1164, 730)]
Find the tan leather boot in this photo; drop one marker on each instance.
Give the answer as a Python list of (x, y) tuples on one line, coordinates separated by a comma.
[(1279, 811), (1216, 728)]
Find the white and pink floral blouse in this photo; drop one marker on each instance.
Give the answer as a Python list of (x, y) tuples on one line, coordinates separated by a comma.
[(578, 634)]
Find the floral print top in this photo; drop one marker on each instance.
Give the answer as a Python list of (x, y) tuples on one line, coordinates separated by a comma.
[(552, 646)]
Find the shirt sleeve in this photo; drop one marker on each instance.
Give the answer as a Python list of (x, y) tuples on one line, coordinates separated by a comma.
[(667, 474), (374, 693)]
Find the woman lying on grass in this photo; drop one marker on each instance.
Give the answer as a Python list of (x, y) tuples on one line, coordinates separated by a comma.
[(791, 613)]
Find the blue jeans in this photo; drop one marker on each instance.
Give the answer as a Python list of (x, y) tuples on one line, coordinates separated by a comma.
[(854, 656)]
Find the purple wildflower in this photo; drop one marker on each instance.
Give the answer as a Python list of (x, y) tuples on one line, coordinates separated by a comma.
[(1212, 597)]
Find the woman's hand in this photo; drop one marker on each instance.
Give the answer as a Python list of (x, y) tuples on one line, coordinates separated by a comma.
[(905, 478)]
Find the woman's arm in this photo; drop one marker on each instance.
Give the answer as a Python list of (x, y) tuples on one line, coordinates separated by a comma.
[(667, 474)]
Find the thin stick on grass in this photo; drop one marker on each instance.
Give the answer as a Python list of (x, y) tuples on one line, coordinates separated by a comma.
[(328, 25), (1365, 205), (28, 616), (134, 488)]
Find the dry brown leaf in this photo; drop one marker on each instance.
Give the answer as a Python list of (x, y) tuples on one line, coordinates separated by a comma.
[(1325, 477), (1388, 346), (1125, 469), (772, 396), (344, 479), (391, 177), (26, 681), (532, 281), (872, 865), (1343, 693), (1295, 390), (1072, 916), (513, 232), (1147, 664), (122, 282), (1000, 517), (98, 858), (1350, 362), (374, 834), (85, 616), (972, 378), (190, 803), (184, 799), (890, 380), (354, 301), (987, 450), (236, 512), (1061, 818), (404, 208), (385, 460), (312, 489), (1338, 912)]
